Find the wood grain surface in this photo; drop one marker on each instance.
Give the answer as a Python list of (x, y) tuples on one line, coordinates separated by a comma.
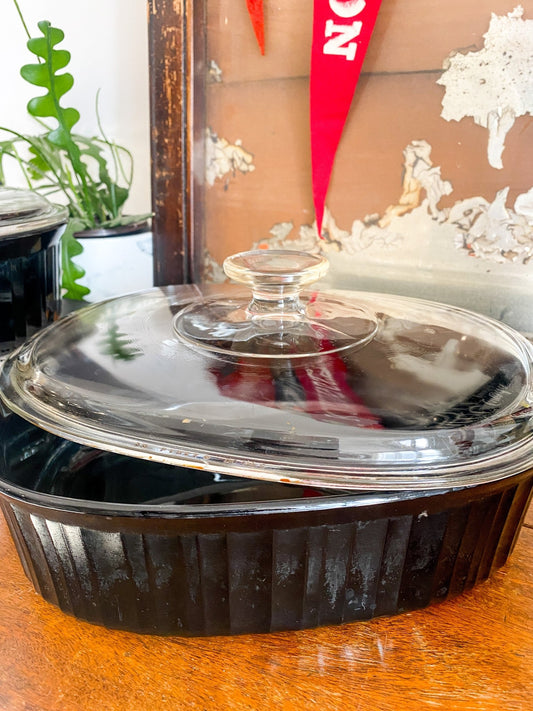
[(470, 654), (166, 32)]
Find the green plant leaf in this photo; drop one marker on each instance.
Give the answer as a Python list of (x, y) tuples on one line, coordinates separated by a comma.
[(44, 158), (38, 74), (94, 174), (60, 136), (128, 220), (71, 272), (110, 194), (47, 105), (6, 146), (7, 149), (45, 75), (113, 197), (52, 35)]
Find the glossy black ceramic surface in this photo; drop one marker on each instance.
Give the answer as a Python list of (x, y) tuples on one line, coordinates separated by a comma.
[(152, 548), (29, 286)]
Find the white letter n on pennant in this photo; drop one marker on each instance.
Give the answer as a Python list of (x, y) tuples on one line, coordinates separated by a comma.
[(342, 43)]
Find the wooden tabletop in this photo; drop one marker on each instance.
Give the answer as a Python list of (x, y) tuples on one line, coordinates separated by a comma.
[(474, 652)]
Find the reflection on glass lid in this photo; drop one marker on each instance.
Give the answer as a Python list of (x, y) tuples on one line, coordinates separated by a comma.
[(437, 396)]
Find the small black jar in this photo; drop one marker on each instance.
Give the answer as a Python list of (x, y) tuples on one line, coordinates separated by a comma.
[(30, 230)]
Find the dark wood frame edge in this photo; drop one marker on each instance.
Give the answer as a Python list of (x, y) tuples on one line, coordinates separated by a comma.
[(176, 33)]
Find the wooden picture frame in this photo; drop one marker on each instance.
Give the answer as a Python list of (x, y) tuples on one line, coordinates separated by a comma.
[(175, 32)]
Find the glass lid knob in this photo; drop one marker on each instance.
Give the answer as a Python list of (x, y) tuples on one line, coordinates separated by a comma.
[(280, 319)]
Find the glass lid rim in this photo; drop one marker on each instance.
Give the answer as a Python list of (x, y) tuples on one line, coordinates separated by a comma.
[(43, 213), (496, 464), (354, 478)]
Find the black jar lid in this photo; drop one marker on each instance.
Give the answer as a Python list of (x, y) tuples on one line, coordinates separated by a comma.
[(423, 396), (23, 212)]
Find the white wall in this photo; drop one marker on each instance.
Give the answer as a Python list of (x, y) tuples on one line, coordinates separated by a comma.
[(109, 46)]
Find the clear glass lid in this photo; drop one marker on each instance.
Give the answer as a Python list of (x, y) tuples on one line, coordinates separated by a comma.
[(23, 211), (277, 319), (412, 395)]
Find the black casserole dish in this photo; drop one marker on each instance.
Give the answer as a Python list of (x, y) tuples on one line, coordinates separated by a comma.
[(178, 463), (30, 230)]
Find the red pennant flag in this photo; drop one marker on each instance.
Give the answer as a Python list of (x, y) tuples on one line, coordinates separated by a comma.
[(255, 9), (341, 34)]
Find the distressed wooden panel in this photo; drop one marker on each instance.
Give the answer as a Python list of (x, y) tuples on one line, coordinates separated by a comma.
[(271, 121), (261, 107), (410, 35)]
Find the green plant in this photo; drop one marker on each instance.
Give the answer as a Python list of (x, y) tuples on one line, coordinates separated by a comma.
[(93, 173)]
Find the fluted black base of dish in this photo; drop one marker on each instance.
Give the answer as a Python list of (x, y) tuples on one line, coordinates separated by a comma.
[(266, 571)]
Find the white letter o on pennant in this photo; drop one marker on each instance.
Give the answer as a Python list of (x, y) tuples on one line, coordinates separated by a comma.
[(351, 8)]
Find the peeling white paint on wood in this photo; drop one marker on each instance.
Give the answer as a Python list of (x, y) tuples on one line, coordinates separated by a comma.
[(495, 84)]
